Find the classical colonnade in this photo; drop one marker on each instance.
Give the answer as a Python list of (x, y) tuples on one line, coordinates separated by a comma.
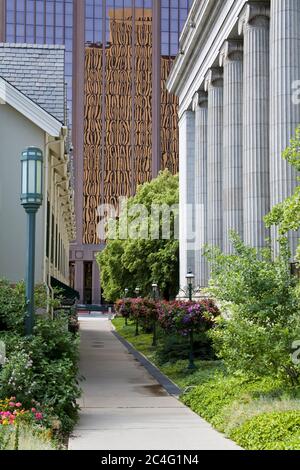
[(233, 134)]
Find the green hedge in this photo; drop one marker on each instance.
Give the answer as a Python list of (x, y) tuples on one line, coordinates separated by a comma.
[(211, 399), (271, 431)]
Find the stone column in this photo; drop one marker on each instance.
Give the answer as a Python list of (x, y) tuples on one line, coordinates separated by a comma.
[(96, 284), (284, 106), (254, 24), (231, 59), (186, 192), (200, 107), (79, 278), (214, 87)]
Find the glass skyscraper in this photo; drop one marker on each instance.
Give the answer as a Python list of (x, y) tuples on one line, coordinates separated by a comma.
[(124, 122)]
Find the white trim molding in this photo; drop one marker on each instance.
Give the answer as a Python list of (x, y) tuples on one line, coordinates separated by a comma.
[(10, 95), (209, 24)]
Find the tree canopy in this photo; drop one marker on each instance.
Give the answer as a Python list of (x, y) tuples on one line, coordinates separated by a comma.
[(145, 248)]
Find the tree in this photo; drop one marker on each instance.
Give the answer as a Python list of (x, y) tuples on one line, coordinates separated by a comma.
[(150, 250), (286, 215)]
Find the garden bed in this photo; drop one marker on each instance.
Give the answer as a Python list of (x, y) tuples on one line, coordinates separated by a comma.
[(257, 413), (39, 376)]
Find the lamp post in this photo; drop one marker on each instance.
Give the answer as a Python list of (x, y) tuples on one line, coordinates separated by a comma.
[(137, 293), (190, 283), (154, 294), (126, 295), (31, 200)]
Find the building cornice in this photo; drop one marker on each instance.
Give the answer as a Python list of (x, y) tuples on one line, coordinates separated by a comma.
[(208, 26), (10, 95)]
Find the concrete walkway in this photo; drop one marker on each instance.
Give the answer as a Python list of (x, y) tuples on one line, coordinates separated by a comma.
[(124, 408)]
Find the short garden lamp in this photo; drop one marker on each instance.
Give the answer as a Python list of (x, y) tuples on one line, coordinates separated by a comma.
[(126, 292), (137, 291), (190, 283), (154, 290), (155, 297), (31, 200)]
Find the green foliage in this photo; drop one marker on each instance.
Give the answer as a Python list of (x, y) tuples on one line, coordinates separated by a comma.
[(44, 368), (31, 439), (271, 431), (137, 261), (286, 215), (12, 306), (229, 401), (175, 347), (264, 321), (212, 398)]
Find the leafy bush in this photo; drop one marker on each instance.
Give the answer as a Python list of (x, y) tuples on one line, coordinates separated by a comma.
[(12, 307), (261, 295), (172, 348), (271, 431), (13, 304), (123, 307), (211, 399), (44, 368)]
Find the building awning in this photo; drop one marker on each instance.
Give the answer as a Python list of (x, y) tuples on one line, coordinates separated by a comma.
[(68, 294)]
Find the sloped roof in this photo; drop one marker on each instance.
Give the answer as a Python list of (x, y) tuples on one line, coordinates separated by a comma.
[(32, 111), (38, 71)]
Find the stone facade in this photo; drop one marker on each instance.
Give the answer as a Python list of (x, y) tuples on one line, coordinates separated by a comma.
[(242, 58)]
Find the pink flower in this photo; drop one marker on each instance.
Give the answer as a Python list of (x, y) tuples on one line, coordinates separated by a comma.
[(12, 403), (18, 405), (38, 416), (33, 410)]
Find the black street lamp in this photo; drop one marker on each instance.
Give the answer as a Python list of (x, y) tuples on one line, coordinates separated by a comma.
[(31, 200), (155, 296), (137, 293), (126, 296), (190, 283)]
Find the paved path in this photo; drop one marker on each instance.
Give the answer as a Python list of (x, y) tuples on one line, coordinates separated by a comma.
[(124, 408)]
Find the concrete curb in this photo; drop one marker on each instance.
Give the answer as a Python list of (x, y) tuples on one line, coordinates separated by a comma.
[(161, 378)]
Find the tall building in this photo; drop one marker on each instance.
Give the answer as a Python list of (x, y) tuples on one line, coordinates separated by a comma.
[(239, 108), (124, 122)]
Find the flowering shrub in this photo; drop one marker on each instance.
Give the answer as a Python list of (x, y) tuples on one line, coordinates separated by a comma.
[(182, 317), (24, 429), (44, 368), (139, 308), (12, 412), (145, 309), (123, 307)]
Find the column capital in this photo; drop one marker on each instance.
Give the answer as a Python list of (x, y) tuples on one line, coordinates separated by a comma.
[(214, 78), (200, 99), (232, 50), (254, 14)]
